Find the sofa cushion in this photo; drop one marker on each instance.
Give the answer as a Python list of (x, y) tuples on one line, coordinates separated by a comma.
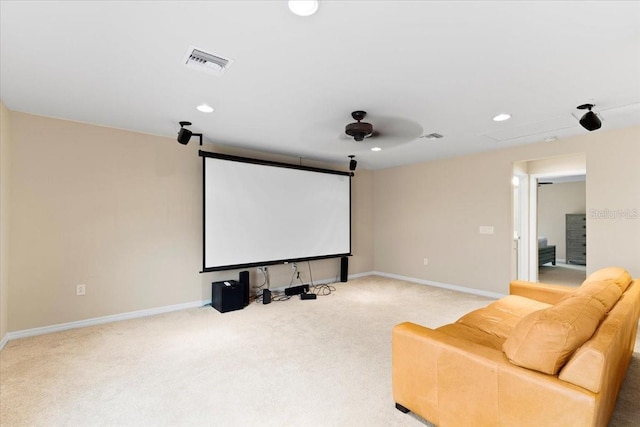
[(501, 316), (605, 291), (472, 334), (617, 275), (545, 339)]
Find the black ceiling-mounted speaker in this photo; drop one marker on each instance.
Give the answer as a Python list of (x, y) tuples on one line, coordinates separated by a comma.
[(359, 130), (184, 135), (590, 121), (352, 163)]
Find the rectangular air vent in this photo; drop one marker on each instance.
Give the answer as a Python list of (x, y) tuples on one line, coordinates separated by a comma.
[(200, 60), (433, 135)]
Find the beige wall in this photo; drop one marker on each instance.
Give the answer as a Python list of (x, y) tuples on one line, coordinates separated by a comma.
[(4, 218), (554, 202), (433, 210), (120, 212)]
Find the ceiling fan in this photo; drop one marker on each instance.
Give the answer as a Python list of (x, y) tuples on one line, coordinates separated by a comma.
[(389, 132), (359, 130)]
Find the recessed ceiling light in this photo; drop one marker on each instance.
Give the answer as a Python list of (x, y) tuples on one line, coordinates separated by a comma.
[(205, 108), (551, 139), (303, 7), (376, 149), (502, 117)]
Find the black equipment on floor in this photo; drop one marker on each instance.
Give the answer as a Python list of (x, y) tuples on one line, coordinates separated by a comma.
[(244, 282), (266, 296), (344, 269), (227, 296)]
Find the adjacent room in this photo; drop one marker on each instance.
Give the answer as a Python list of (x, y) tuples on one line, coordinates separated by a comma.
[(319, 213)]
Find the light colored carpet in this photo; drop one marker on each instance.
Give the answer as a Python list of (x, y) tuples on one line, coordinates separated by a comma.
[(561, 274), (324, 362)]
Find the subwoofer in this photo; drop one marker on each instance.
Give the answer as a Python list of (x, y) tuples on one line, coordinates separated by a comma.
[(227, 296)]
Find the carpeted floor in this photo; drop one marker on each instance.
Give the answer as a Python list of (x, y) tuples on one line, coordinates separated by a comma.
[(324, 362), (562, 274)]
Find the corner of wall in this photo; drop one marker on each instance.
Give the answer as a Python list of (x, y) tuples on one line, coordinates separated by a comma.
[(5, 145)]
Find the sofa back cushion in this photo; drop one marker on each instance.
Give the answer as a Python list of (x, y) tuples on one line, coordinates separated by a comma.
[(607, 292), (617, 275), (545, 339)]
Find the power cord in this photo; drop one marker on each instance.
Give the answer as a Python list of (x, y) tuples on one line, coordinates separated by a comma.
[(320, 290)]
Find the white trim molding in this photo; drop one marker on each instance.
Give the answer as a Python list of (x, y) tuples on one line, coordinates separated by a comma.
[(441, 285), (195, 304), (99, 320)]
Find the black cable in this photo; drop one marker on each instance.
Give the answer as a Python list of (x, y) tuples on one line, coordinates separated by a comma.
[(310, 276), (320, 290)]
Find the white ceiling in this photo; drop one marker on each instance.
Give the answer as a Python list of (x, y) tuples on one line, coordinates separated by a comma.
[(415, 67)]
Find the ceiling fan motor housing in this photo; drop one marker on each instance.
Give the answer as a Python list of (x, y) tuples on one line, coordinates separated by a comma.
[(359, 130)]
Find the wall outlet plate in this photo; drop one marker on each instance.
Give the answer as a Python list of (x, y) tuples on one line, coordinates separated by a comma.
[(486, 229)]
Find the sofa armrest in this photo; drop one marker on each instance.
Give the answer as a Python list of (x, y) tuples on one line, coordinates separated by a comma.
[(542, 292), (418, 356), (451, 381)]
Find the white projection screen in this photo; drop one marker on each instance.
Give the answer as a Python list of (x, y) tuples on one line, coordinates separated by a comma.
[(261, 213)]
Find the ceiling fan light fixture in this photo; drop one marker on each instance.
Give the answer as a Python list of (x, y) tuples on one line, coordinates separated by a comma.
[(303, 7), (590, 120)]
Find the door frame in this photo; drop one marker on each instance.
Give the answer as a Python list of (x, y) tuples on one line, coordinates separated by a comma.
[(533, 215)]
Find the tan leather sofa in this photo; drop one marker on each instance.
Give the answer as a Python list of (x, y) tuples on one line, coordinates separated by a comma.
[(544, 355)]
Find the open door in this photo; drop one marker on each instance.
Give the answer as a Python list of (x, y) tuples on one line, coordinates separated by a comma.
[(525, 179)]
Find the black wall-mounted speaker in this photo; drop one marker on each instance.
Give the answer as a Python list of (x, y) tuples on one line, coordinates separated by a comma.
[(590, 121), (184, 135), (352, 164), (246, 287), (344, 269)]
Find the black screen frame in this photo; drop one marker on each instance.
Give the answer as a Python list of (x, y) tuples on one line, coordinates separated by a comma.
[(207, 154)]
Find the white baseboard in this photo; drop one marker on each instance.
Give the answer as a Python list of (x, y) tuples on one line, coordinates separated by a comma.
[(99, 320), (368, 273), (159, 310), (4, 341), (441, 285)]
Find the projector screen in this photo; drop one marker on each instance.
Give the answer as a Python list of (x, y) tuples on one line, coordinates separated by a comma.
[(261, 213)]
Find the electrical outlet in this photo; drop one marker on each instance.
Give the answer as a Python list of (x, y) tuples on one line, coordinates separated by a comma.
[(80, 290), (486, 229), (426, 261)]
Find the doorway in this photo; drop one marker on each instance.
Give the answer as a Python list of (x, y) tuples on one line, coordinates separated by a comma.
[(544, 192)]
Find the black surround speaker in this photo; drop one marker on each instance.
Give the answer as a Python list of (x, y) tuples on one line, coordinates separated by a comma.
[(244, 282), (227, 296), (184, 135), (266, 296), (344, 268)]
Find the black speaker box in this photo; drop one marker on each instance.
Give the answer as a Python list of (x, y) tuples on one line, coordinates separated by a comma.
[(266, 296), (246, 287), (227, 296), (344, 269)]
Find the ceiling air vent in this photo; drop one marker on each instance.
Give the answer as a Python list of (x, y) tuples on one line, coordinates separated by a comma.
[(432, 136), (200, 60)]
